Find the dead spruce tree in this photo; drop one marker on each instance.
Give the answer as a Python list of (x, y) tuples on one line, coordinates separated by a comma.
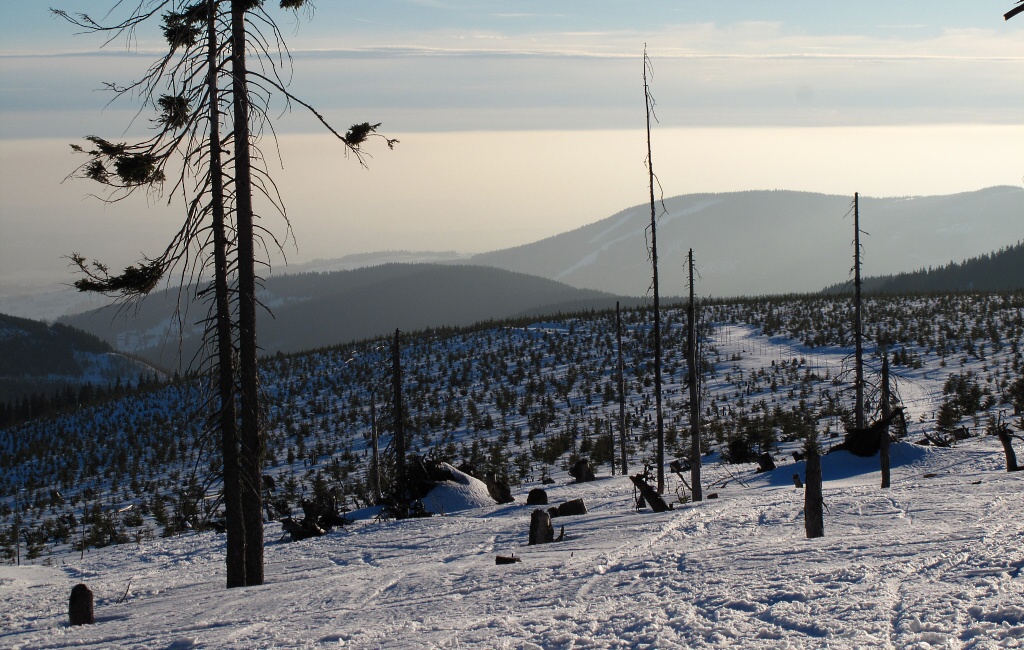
[(193, 86), (653, 251), (694, 381)]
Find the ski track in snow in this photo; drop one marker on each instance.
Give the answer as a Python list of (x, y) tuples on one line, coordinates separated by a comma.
[(931, 562)]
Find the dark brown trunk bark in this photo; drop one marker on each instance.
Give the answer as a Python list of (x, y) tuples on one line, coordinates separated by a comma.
[(814, 520), (401, 486), (251, 435), (692, 362), (622, 391), (1011, 457), (227, 415), (660, 461), (883, 454), (858, 333)]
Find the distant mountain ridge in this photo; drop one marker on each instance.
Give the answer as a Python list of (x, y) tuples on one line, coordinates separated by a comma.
[(314, 310), (770, 242)]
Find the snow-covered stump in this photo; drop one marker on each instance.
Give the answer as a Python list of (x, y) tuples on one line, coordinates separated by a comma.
[(814, 519), (541, 530), (80, 606)]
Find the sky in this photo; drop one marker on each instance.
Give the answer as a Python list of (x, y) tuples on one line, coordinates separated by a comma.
[(521, 120)]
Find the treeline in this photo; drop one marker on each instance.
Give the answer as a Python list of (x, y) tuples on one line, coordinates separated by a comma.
[(68, 397), (1002, 270), (30, 347)]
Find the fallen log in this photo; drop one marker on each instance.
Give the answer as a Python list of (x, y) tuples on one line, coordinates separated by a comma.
[(649, 494)]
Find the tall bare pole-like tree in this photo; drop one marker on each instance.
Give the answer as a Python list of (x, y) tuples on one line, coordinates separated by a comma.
[(622, 391), (228, 414), (401, 492), (659, 418), (883, 453), (858, 328), (251, 433), (693, 363)]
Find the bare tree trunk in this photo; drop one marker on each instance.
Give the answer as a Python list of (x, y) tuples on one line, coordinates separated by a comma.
[(814, 520), (622, 391), (694, 369), (251, 438), (883, 453), (1007, 439), (657, 306), (227, 416), (401, 488), (858, 332), (375, 460)]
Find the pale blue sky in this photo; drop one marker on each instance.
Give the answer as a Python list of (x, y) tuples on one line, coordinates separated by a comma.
[(457, 65), (541, 109)]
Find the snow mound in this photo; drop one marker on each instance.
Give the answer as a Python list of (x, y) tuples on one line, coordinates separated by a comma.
[(842, 465), (462, 493)]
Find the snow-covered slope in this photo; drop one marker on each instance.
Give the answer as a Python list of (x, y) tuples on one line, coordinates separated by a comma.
[(933, 562), (769, 242)]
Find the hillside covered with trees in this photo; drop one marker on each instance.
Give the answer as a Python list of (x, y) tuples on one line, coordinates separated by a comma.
[(522, 399), (1002, 270), (52, 367)]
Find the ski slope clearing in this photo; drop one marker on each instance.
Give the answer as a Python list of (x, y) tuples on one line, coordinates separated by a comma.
[(934, 562)]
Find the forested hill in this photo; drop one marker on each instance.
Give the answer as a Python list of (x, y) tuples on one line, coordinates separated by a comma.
[(1002, 270), (30, 347), (36, 358), (314, 310)]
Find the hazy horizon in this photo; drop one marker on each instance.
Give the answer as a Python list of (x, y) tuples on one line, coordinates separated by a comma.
[(520, 126)]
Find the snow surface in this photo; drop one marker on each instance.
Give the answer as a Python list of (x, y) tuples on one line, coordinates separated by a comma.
[(934, 562)]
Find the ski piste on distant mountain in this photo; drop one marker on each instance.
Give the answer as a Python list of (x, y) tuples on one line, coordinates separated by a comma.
[(770, 242), (315, 310)]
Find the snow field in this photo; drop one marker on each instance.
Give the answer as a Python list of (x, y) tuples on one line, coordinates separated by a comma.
[(930, 563)]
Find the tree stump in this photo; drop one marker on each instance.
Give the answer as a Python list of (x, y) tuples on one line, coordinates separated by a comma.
[(1006, 438), (80, 606), (541, 530), (765, 462), (796, 481), (498, 488), (537, 497), (814, 516), (582, 471), (568, 509)]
